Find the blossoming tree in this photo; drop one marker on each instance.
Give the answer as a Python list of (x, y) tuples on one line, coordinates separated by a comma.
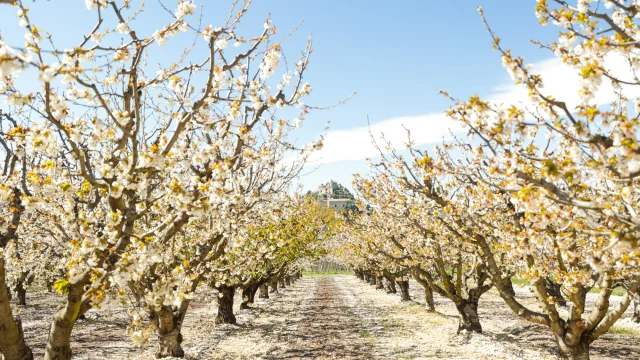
[(125, 157)]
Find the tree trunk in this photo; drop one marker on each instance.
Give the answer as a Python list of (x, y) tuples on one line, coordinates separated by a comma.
[(636, 311), (429, 303), (379, 282), (169, 324), (577, 352), (225, 305), (245, 298), (372, 279), (25, 279), (12, 345), (264, 291), (404, 290), (287, 280), (281, 283), (391, 285), (248, 296), (469, 320), (274, 287), (428, 293), (59, 341), (22, 296), (508, 287)]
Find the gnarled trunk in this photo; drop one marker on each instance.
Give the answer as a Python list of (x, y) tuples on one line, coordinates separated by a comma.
[(372, 279), (404, 290), (12, 343), (225, 305), (428, 292), (636, 311), (21, 287), (281, 283), (379, 282), (287, 280), (358, 274), (468, 313), (59, 340), (579, 351), (274, 287), (22, 296), (391, 285), (264, 291), (248, 296), (168, 321), (429, 303), (170, 345)]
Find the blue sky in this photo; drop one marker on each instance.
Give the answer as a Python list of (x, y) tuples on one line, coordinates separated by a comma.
[(394, 54)]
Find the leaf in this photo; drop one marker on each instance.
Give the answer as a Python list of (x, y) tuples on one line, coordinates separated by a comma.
[(61, 286)]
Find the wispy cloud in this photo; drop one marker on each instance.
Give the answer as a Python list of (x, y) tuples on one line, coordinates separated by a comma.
[(560, 81), (356, 144)]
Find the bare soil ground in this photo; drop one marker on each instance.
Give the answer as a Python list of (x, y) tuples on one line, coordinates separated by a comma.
[(333, 317)]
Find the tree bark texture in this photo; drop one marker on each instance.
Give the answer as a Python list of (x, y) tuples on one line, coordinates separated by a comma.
[(404, 290), (391, 285), (264, 291), (225, 305), (12, 343), (468, 313)]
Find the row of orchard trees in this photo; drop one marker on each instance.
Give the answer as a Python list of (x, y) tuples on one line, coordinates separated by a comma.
[(543, 190), (135, 183)]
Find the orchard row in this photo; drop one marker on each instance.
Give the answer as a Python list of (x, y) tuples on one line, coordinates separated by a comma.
[(138, 176), (544, 191)]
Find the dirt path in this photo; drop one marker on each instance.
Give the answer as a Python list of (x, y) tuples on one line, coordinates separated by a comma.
[(328, 329)]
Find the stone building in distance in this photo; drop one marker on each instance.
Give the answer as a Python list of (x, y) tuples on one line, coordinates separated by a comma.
[(334, 196)]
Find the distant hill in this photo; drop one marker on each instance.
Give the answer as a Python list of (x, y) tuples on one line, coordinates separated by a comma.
[(331, 190)]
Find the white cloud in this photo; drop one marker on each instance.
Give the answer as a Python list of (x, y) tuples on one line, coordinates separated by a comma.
[(356, 144), (560, 81)]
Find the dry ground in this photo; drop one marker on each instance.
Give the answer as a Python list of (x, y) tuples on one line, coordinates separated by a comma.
[(332, 317)]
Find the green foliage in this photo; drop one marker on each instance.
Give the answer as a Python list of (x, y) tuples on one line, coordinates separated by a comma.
[(616, 292), (61, 286), (624, 331)]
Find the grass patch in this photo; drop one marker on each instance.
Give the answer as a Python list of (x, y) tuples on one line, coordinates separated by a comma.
[(519, 282), (595, 290), (391, 324), (624, 331), (616, 292), (369, 336), (436, 319), (415, 308), (325, 273)]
